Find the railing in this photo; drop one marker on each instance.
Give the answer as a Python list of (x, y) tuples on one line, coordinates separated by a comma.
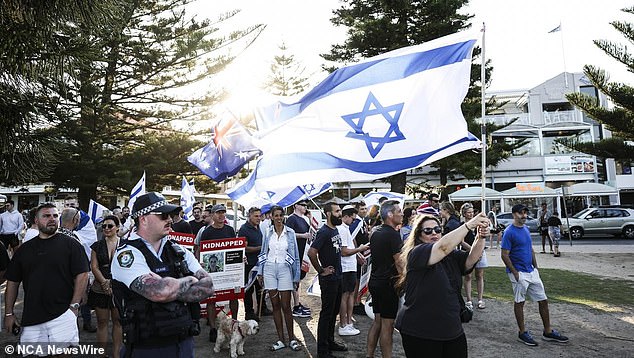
[(562, 116), (502, 119)]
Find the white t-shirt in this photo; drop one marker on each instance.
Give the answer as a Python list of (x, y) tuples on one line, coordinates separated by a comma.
[(129, 263), (30, 233), (348, 263)]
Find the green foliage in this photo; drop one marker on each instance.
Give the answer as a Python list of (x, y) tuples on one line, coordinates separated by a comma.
[(134, 80), (620, 119), (286, 78)]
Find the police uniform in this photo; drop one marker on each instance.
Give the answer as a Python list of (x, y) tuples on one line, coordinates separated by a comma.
[(153, 329)]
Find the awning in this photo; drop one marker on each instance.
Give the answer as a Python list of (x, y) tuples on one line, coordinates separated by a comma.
[(545, 192), (589, 189), (474, 193)]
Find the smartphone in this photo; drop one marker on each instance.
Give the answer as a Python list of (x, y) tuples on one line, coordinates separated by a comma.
[(16, 329)]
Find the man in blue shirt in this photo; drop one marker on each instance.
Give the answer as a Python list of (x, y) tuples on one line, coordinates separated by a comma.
[(325, 256), (521, 266)]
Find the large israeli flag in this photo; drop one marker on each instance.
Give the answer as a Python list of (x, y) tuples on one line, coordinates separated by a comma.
[(385, 115), (187, 200), (138, 190), (246, 194)]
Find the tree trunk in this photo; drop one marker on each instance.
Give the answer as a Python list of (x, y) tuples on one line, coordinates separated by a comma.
[(86, 192)]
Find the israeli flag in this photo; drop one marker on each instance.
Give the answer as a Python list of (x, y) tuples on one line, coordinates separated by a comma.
[(95, 211), (379, 117), (139, 189), (246, 194), (187, 200), (372, 198)]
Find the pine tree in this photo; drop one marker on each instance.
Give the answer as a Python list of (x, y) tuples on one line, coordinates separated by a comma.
[(286, 78), (32, 49), (620, 119), (135, 80), (376, 26)]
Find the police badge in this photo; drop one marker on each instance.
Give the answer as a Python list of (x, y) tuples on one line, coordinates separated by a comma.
[(125, 258)]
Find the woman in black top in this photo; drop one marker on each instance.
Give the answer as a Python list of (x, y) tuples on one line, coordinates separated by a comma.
[(429, 321), (100, 295), (449, 217)]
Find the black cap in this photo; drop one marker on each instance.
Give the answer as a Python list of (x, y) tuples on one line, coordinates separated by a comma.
[(218, 207), (519, 208), (302, 202), (152, 202)]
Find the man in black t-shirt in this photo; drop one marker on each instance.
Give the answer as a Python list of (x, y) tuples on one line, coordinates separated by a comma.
[(325, 256), (178, 224), (198, 222), (217, 230), (299, 223), (54, 271), (385, 246), (251, 231)]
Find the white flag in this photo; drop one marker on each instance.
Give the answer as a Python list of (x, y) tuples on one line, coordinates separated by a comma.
[(139, 189), (95, 210), (187, 200)]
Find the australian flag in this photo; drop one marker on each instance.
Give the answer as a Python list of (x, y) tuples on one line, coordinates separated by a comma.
[(231, 147)]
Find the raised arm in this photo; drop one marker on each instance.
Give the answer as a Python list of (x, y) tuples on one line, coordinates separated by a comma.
[(447, 243)]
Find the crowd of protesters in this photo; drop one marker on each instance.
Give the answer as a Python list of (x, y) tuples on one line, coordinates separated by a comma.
[(418, 256)]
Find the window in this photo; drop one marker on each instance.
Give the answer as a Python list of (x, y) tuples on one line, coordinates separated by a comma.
[(613, 213), (623, 168), (551, 146)]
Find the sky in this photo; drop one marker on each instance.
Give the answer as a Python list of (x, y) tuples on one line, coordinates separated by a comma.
[(522, 51)]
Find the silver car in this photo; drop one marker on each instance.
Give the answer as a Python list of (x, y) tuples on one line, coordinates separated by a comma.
[(601, 221), (506, 219)]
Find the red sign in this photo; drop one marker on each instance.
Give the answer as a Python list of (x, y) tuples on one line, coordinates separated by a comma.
[(224, 259)]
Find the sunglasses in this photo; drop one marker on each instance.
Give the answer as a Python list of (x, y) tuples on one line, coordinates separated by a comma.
[(163, 216), (429, 230), (108, 226)]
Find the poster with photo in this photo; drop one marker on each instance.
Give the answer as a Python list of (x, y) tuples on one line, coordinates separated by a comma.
[(185, 240), (224, 260)]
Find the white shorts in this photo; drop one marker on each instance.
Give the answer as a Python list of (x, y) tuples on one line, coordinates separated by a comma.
[(277, 276), (482, 263), (530, 284), (61, 332)]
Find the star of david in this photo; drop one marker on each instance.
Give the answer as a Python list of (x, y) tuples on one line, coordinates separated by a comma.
[(308, 188), (372, 107)]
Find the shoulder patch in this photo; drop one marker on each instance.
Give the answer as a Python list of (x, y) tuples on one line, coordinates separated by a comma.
[(125, 258)]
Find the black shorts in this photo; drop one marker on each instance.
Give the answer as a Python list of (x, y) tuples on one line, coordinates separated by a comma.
[(384, 298), (348, 281)]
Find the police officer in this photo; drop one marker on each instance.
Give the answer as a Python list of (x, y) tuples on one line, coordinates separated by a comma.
[(157, 285)]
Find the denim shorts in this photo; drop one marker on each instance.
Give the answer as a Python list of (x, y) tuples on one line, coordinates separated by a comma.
[(277, 276)]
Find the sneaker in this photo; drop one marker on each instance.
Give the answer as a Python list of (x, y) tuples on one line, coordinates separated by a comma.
[(469, 305), (298, 312), (554, 336), (527, 339), (353, 329), (348, 330), (305, 309), (213, 334), (337, 347), (481, 305)]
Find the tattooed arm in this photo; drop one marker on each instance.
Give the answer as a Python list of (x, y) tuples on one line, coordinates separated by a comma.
[(166, 289)]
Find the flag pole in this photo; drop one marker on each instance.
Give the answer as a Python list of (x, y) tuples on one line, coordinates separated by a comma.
[(563, 53), (483, 128)]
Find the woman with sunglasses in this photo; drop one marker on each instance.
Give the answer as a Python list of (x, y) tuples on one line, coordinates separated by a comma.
[(278, 265), (100, 295), (429, 321)]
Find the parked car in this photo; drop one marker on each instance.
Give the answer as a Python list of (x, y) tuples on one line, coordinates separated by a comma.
[(601, 221), (506, 219)]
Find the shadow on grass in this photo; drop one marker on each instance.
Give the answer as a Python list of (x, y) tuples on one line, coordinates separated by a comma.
[(563, 286)]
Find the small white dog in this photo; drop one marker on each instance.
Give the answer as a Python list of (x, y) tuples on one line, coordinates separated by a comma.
[(233, 333)]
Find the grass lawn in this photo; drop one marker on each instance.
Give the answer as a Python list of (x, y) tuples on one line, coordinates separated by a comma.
[(565, 286)]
